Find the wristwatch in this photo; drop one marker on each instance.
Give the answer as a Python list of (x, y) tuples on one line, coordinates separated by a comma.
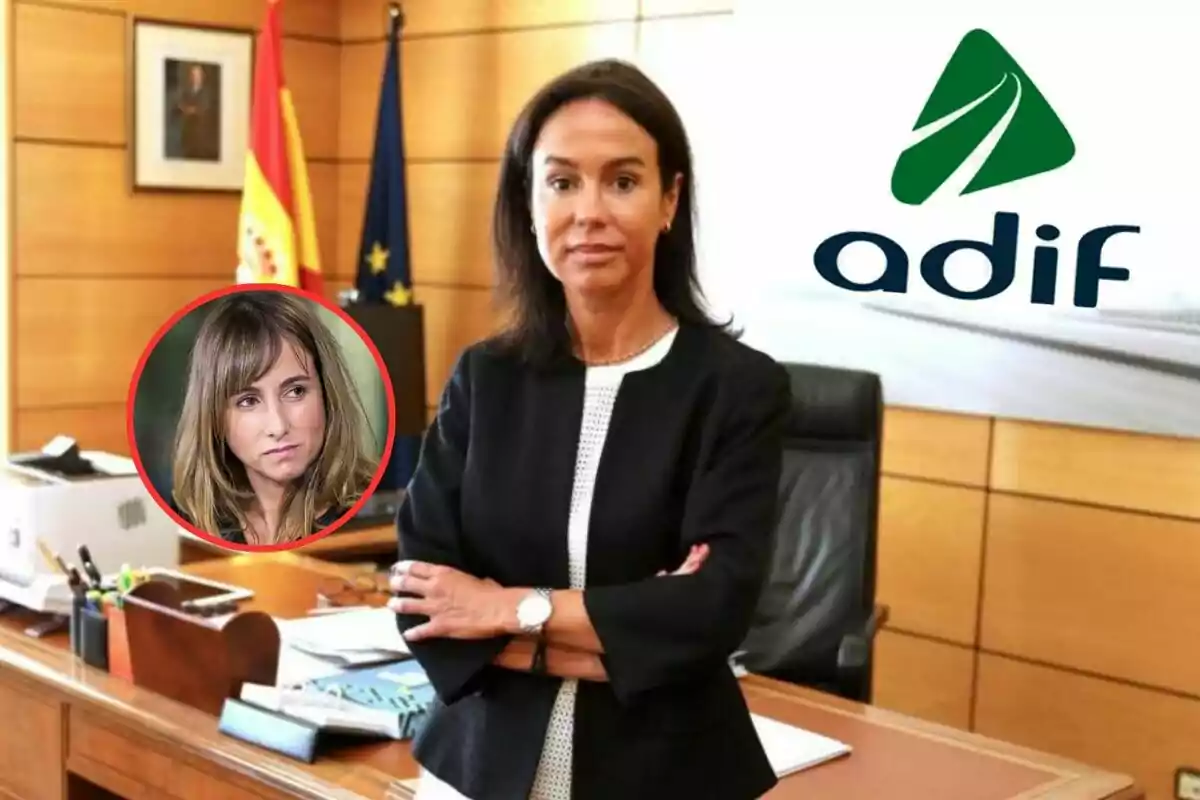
[(533, 611)]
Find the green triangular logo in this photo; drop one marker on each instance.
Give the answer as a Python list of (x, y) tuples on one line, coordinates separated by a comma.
[(973, 95)]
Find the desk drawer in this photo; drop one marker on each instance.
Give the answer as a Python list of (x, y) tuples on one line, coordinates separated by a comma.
[(136, 766), (31, 738)]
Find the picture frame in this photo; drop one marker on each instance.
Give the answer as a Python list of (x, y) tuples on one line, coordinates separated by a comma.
[(191, 95)]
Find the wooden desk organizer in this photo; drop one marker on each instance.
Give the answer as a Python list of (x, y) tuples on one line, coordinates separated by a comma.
[(189, 658)]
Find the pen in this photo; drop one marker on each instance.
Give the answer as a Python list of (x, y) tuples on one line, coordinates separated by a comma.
[(85, 557), (75, 582), (53, 559)]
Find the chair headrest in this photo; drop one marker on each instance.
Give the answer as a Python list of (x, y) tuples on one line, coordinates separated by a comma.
[(834, 404)]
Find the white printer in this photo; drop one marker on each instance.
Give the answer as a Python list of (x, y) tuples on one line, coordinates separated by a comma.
[(66, 498)]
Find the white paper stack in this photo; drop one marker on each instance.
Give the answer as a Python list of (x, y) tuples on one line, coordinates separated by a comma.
[(324, 710), (351, 638)]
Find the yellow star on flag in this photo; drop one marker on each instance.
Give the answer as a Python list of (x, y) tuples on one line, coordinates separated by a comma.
[(399, 295), (377, 258)]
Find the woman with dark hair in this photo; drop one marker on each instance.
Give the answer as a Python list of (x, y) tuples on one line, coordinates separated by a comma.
[(587, 531)]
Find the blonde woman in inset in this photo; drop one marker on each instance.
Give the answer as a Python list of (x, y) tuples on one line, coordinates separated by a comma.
[(273, 441)]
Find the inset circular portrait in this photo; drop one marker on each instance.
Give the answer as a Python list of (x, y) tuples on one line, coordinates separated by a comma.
[(261, 417)]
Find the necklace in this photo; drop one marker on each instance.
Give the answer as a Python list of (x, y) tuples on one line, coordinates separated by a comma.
[(604, 362)]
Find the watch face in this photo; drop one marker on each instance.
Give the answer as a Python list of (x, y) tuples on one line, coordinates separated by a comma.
[(533, 610)]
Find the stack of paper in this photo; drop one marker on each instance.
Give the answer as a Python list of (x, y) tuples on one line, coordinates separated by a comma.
[(326, 644), (791, 749), (325, 710), (352, 638)]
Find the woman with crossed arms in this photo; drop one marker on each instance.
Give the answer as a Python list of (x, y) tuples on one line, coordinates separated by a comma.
[(589, 526)]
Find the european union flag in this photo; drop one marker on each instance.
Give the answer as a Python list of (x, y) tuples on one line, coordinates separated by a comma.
[(383, 270), (383, 264)]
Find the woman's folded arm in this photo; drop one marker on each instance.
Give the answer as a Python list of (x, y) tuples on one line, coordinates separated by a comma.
[(429, 531), (664, 630)]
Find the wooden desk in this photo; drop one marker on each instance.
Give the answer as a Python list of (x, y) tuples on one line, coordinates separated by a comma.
[(378, 541), (70, 730)]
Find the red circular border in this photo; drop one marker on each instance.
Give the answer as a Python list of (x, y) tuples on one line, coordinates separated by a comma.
[(130, 404)]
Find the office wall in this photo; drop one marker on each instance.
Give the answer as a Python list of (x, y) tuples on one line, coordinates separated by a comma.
[(5, 167), (97, 269), (1041, 578)]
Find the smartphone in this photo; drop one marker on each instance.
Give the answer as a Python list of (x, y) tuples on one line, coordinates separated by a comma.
[(198, 593)]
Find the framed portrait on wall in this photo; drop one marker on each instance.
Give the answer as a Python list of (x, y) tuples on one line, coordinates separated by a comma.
[(191, 98)]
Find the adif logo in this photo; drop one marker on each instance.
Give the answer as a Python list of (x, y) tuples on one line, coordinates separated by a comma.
[(983, 101), (983, 106), (131, 514)]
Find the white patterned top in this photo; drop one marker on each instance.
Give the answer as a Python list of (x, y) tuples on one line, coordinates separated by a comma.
[(553, 780)]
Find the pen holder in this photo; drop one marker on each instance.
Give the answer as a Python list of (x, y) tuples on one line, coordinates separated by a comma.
[(118, 645), (191, 659), (89, 634)]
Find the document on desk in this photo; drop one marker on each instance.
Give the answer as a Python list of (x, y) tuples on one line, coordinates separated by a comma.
[(791, 749), (363, 636)]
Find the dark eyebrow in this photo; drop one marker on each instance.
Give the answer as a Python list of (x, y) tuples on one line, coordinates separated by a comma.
[(624, 161)]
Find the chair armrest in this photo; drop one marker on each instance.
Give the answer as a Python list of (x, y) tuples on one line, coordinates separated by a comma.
[(879, 617), (855, 650)]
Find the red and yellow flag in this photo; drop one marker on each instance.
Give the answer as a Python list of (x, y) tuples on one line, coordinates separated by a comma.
[(278, 234)]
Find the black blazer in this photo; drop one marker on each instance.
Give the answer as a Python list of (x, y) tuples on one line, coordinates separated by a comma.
[(693, 454)]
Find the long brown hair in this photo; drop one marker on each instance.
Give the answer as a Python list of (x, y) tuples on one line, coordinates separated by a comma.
[(238, 342), (533, 299)]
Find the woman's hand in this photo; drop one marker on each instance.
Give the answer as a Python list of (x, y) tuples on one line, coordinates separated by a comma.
[(695, 559), (459, 606)]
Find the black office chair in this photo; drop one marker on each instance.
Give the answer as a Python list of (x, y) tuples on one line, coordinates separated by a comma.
[(816, 621)]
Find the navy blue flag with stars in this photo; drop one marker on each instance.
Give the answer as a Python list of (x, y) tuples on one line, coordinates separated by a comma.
[(383, 263), (383, 269)]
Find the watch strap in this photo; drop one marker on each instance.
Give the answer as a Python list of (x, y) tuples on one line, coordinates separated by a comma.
[(538, 665)]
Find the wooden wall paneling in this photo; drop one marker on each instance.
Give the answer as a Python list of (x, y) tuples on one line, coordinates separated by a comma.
[(926, 679), (937, 446), (323, 180), (312, 18), (69, 75), (438, 16), (90, 360), (110, 6), (318, 18), (363, 19), (100, 427), (1108, 592), (351, 206), (1140, 732), (930, 546), (361, 77), (1111, 468), (462, 93), (451, 218), (661, 8), (76, 216), (6, 224), (313, 74), (454, 319)]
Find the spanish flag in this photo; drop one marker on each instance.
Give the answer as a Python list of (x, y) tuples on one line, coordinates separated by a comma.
[(278, 234)]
